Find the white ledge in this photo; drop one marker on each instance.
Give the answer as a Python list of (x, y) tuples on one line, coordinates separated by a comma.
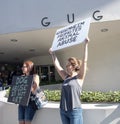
[(93, 113)]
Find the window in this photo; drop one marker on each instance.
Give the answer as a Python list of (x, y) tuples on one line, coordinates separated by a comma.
[(46, 73)]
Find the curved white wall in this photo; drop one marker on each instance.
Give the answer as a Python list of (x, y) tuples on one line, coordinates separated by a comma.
[(24, 15), (92, 114)]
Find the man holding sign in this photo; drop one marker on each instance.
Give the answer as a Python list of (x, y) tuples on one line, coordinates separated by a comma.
[(73, 76)]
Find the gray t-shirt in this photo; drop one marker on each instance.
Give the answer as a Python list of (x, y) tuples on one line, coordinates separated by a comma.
[(70, 94)]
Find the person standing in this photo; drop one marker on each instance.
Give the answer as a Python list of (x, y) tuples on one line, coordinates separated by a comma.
[(73, 76), (26, 113)]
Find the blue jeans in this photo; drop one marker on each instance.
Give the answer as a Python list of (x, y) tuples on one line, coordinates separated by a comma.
[(26, 113), (72, 117)]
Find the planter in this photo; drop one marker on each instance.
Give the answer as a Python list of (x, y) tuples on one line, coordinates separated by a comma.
[(97, 113)]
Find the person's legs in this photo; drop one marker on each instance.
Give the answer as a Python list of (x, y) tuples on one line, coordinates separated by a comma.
[(29, 114), (28, 122), (64, 117), (21, 122), (21, 111), (76, 116)]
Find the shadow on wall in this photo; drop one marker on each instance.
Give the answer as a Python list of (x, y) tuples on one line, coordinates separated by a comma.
[(113, 118)]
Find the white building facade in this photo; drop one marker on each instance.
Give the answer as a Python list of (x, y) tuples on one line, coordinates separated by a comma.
[(104, 47)]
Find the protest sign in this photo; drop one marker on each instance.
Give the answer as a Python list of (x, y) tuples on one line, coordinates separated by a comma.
[(20, 90), (71, 35)]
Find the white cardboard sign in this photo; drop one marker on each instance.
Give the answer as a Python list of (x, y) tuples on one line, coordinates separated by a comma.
[(71, 35)]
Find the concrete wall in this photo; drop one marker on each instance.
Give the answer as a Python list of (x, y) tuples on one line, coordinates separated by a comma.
[(24, 15), (92, 114), (100, 113)]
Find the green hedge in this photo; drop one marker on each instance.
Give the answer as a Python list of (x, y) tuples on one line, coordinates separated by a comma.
[(111, 96), (86, 96)]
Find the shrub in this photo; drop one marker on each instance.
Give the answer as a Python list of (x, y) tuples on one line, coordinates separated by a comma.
[(88, 96)]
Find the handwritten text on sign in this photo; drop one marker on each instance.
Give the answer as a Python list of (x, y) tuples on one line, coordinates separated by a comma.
[(20, 90), (71, 35)]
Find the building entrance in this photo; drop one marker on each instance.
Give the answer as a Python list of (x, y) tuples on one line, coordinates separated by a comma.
[(46, 73)]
